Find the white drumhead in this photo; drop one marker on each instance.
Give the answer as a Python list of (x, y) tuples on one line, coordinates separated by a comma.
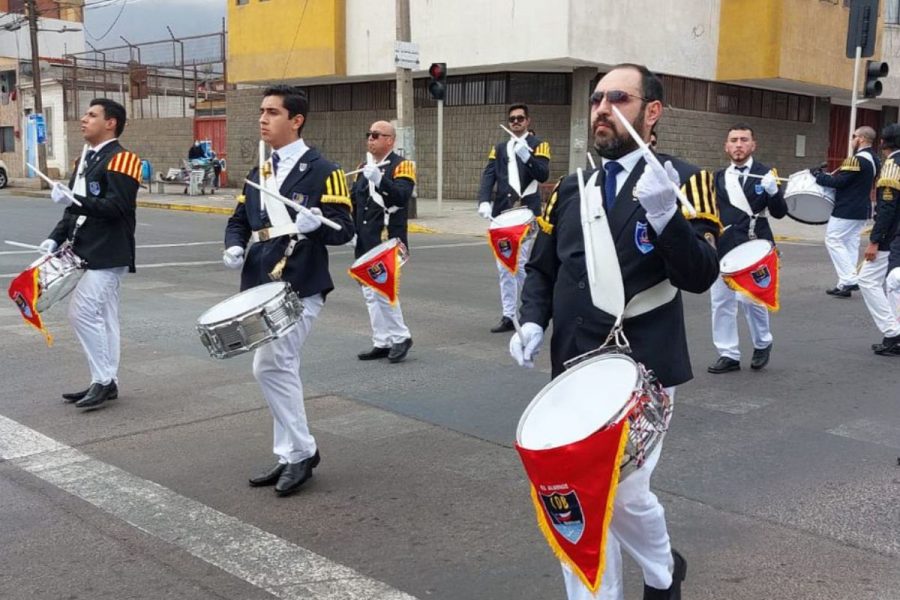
[(375, 251), (578, 402), (240, 303), (511, 217), (745, 255)]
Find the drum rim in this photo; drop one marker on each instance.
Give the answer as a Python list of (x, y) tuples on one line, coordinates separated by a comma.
[(769, 244), (522, 209), (626, 407), (376, 250), (284, 290)]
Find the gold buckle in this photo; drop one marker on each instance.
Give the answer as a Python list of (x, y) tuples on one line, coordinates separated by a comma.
[(263, 235)]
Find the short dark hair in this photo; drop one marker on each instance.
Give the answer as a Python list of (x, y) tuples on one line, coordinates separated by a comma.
[(518, 107), (293, 98), (742, 127), (890, 136), (112, 110), (651, 85)]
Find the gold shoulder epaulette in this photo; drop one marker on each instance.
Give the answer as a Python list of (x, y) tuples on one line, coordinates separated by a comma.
[(492, 154), (126, 163), (889, 176), (407, 169), (544, 220), (336, 191), (543, 149), (701, 193), (850, 164)]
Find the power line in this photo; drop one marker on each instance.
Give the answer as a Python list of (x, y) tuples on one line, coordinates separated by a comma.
[(118, 16), (296, 33)]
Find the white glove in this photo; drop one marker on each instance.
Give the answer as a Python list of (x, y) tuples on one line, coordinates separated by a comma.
[(484, 210), (373, 174), (892, 281), (656, 194), (48, 246), (522, 151), (233, 257), (769, 184), (524, 354), (308, 221), (61, 194)]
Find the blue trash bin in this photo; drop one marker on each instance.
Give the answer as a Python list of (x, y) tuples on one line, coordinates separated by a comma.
[(146, 171)]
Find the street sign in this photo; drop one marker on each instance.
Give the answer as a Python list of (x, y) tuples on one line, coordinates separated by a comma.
[(406, 55), (863, 23), (40, 127)]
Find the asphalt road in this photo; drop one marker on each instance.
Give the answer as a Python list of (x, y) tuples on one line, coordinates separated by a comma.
[(777, 484)]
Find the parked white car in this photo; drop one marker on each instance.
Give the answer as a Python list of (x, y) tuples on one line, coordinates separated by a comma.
[(4, 175)]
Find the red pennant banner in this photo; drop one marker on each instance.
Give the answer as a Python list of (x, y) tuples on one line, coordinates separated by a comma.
[(759, 282), (573, 488), (381, 272), (505, 243), (25, 291)]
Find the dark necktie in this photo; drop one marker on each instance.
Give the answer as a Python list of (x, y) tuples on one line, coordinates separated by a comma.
[(743, 173), (88, 157), (612, 169), (275, 160)]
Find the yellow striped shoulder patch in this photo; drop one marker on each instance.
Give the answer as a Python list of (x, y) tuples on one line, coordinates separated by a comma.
[(492, 154), (850, 164), (336, 191), (701, 193), (407, 169), (544, 220), (889, 176), (543, 149), (126, 163)]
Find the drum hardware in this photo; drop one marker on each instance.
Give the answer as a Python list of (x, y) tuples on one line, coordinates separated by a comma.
[(58, 274), (807, 201)]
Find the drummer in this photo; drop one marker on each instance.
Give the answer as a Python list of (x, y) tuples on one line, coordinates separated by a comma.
[(664, 247), (514, 171), (101, 231), (852, 206), (290, 247), (746, 193), (381, 198)]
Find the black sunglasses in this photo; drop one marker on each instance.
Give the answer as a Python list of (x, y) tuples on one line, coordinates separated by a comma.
[(517, 119), (376, 134), (614, 97)]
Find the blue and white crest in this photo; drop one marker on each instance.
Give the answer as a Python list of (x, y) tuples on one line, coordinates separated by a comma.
[(23, 305), (378, 272), (505, 247), (758, 188), (300, 198), (642, 238), (762, 277), (565, 514), (94, 188)]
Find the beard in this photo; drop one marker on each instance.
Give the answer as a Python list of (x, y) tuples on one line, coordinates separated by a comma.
[(620, 144)]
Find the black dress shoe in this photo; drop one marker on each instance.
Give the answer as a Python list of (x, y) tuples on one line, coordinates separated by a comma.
[(97, 394), (70, 397), (374, 353), (296, 474), (760, 357), (270, 477), (852, 287), (679, 573), (505, 324), (400, 350), (840, 292), (724, 365), (889, 346)]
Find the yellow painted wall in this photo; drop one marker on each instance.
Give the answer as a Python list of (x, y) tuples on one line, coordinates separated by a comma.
[(795, 40), (270, 40)]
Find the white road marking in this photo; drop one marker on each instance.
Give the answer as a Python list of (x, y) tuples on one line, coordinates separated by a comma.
[(277, 566)]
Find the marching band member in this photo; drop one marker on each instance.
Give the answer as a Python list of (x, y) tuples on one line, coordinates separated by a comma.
[(743, 202), (380, 201), (877, 255), (290, 246), (852, 203), (658, 249), (101, 230), (514, 170)]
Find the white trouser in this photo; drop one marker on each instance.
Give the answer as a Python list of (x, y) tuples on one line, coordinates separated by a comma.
[(892, 283), (724, 302), (871, 283), (511, 285), (94, 314), (276, 366), (639, 526), (842, 242), (388, 327)]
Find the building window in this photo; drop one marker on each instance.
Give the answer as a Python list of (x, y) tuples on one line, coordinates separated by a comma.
[(7, 139), (241, 2), (892, 12)]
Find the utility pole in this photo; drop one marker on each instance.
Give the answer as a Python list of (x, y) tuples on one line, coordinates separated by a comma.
[(406, 131), (36, 79)]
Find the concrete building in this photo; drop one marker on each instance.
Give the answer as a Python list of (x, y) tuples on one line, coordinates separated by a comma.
[(722, 61)]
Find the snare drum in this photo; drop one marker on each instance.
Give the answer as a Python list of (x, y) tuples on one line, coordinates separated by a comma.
[(249, 319), (379, 268), (807, 201), (752, 269), (58, 274), (508, 232)]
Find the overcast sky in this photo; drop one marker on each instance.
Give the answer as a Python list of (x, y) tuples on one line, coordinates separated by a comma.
[(146, 20)]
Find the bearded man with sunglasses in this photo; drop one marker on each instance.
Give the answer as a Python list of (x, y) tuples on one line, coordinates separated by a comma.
[(380, 197), (660, 252), (514, 170)]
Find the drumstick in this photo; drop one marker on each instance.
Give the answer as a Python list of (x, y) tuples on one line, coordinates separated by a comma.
[(515, 137), (21, 245), (294, 205), (52, 183), (381, 164), (591, 160), (651, 158), (755, 176)]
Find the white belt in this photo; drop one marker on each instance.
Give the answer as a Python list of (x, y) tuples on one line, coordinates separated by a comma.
[(650, 299), (264, 235)]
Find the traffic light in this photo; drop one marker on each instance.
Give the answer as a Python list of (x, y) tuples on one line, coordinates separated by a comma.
[(438, 84), (874, 70)]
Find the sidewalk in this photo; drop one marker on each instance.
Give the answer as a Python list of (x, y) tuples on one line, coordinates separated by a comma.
[(455, 216)]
